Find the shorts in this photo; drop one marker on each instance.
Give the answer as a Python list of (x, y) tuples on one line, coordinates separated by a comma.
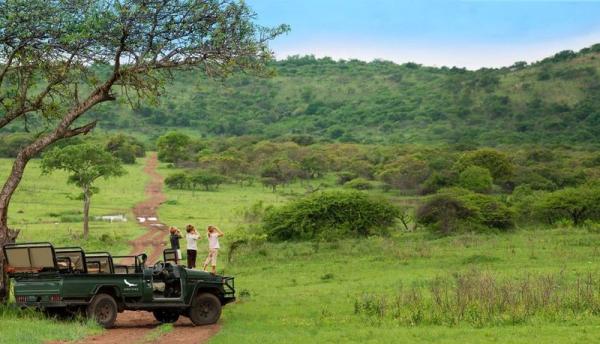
[(211, 259)]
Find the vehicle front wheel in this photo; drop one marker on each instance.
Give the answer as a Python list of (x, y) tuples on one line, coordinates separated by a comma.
[(103, 309), (205, 310), (166, 316)]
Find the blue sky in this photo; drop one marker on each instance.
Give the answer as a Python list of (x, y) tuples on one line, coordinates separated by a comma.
[(470, 34)]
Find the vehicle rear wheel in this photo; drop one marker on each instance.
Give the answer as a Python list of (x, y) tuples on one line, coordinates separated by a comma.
[(206, 309), (103, 309), (166, 316)]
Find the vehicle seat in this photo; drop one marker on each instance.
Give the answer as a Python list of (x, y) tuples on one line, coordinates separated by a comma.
[(158, 287)]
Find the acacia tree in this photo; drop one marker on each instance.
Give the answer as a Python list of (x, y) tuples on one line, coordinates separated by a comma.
[(85, 163), (61, 58)]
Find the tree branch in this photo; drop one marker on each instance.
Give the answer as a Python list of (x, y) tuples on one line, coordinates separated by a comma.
[(81, 130)]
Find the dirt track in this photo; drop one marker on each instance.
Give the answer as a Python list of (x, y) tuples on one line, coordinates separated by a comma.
[(134, 327)]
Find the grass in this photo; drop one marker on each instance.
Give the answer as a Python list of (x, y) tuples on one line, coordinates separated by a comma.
[(44, 209), (299, 292), (25, 326), (157, 332)]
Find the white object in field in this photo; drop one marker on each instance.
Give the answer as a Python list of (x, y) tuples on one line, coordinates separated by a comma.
[(154, 219), (141, 219), (112, 218), (157, 225)]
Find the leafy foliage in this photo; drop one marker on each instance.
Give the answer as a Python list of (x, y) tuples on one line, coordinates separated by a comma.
[(312, 99), (329, 215), (576, 204), (455, 209)]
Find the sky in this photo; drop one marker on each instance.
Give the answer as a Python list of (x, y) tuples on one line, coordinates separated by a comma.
[(471, 34)]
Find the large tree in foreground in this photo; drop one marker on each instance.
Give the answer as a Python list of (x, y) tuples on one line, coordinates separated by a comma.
[(85, 163), (61, 58)]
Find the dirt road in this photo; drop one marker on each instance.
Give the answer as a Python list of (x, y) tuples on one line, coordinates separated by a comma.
[(137, 327)]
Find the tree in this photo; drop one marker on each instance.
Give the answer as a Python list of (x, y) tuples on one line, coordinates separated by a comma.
[(173, 147), (577, 204), (279, 172), (59, 59), (206, 179), (126, 148), (85, 163)]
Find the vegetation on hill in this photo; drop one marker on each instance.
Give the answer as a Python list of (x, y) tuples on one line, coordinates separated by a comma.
[(556, 100)]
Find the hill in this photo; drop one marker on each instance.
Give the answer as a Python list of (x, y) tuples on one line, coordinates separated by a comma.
[(555, 101)]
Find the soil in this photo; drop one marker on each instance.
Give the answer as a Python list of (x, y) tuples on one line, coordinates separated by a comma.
[(134, 327)]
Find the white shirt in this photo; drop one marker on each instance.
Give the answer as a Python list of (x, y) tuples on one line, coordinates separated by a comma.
[(213, 240), (191, 241)]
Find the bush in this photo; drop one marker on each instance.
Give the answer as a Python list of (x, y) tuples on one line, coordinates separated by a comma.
[(178, 180), (496, 162), (475, 178), (576, 204), (328, 215), (344, 177), (359, 184), (455, 209)]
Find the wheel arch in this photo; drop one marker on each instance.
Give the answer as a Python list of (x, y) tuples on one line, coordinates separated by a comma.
[(113, 291), (199, 289)]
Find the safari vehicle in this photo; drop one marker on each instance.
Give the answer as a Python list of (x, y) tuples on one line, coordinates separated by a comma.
[(67, 281)]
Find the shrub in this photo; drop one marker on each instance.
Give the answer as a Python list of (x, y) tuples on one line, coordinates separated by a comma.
[(475, 178), (576, 204), (344, 177), (177, 180), (359, 184), (457, 209), (328, 215), (496, 162)]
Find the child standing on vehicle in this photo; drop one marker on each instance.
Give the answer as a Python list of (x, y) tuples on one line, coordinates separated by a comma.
[(192, 248), (174, 238), (213, 234)]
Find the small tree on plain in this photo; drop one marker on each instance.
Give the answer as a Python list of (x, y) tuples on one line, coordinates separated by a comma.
[(85, 163)]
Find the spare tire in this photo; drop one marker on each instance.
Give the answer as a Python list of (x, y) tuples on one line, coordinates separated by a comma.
[(205, 310)]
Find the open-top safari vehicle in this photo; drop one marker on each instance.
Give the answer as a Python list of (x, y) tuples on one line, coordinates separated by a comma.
[(66, 281)]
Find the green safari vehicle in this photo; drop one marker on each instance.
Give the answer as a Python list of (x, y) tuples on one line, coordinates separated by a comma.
[(66, 281)]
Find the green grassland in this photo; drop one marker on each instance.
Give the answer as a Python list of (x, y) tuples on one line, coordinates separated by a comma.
[(305, 292), (45, 208)]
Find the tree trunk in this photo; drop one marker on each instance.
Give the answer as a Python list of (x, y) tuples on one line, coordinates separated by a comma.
[(87, 197)]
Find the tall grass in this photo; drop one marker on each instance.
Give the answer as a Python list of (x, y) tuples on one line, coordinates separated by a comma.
[(481, 299)]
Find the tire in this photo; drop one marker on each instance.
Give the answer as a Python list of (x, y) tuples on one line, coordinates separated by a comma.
[(103, 309), (166, 316), (205, 310)]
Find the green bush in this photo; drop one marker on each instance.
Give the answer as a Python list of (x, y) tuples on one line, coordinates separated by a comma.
[(455, 209), (179, 180), (359, 184), (575, 204), (329, 215), (475, 178)]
